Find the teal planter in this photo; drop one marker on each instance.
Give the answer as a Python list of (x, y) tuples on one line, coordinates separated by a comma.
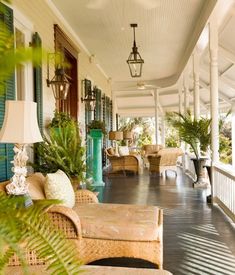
[(97, 173)]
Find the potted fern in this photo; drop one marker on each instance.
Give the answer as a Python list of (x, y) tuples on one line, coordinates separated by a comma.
[(196, 133), (62, 149)]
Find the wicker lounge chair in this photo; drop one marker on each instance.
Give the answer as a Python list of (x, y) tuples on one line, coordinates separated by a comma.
[(164, 160), (100, 230), (130, 162), (149, 150)]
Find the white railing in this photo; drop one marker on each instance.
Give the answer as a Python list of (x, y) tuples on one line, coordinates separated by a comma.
[(224, 188)]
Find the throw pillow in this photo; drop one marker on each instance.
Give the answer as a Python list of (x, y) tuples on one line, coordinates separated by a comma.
[(36, 184), (123, 151), (58, 186)]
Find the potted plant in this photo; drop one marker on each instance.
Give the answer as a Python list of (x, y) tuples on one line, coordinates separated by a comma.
[(97, 125), (196, 133), (60, 119), (96, 130), (62, 149)]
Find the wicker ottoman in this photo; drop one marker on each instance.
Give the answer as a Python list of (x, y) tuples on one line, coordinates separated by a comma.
[(120, 230)]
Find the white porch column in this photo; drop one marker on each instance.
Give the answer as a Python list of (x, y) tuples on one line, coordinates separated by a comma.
[(186, 91), (196, 59), (180, 88), (163, 130), (214, 89), (114, 111), (156, 99), (233, 134)]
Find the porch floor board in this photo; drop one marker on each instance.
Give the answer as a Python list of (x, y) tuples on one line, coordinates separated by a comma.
[(198, 237)]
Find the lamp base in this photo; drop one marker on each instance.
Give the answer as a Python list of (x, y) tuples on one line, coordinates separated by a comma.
[(18, 184)]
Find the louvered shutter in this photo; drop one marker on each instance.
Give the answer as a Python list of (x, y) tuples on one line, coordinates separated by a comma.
[(37, 78), (6, 150)]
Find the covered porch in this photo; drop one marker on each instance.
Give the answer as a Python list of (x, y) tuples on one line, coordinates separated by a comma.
[(188, 52)]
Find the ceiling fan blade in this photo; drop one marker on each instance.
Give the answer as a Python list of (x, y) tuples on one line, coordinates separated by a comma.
[(149, 4), (96, 4)]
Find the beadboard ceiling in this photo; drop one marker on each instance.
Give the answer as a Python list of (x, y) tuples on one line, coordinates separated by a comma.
[(167, 33)]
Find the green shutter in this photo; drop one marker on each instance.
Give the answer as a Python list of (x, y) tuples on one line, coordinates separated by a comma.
[(98, 104), (87, 88), (6, 150), (37, 75)]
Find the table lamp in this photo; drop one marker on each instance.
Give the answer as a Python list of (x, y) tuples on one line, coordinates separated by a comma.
[(127, 136), (115, 136), (20, 127)]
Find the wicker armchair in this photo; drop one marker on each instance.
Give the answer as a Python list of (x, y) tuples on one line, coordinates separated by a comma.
[(149, 150), (123, 163), (99, 230), (164, 160)]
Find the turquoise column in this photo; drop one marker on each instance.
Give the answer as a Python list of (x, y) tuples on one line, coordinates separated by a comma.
[(97, 174)]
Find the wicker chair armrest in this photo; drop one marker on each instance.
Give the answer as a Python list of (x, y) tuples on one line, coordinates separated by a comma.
[(114, 157), (85, 196), (65, 219)]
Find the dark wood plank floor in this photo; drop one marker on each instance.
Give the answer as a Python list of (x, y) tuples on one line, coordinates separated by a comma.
[(198, 237)]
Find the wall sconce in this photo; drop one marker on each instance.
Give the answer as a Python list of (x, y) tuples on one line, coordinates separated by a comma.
[(60, 82), (89, 100)]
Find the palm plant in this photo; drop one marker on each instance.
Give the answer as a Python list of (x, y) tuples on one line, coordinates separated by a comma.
[(32, 228), (195, 132)]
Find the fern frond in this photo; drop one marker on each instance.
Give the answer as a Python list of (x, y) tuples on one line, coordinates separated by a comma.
[(33, 227)]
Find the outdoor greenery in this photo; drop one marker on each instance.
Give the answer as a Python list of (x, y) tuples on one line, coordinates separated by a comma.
[(142, 129), (97, 124), (172, 137), (195, 132), (225, 139), (32, 227), (62, 149)]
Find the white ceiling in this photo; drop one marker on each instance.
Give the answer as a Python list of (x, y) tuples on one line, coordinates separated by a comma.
[(167, 33)]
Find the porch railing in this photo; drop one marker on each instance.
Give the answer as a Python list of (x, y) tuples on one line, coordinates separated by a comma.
[(224, 189)]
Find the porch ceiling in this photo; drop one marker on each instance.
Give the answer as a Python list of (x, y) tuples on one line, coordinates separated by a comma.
[(167, 32)]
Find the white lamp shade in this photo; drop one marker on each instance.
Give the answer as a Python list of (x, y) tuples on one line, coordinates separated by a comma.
[(20, 123), (115, 135)]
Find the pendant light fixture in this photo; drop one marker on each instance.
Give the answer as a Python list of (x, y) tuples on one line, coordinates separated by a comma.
[(134, 61)]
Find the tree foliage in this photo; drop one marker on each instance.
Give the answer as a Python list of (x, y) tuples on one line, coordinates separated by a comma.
[(142, 129)]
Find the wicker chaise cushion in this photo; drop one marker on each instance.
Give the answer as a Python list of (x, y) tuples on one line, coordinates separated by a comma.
[(119, 221), (90, 270)]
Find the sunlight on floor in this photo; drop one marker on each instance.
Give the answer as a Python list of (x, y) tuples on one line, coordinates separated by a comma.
[(205, 255)]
